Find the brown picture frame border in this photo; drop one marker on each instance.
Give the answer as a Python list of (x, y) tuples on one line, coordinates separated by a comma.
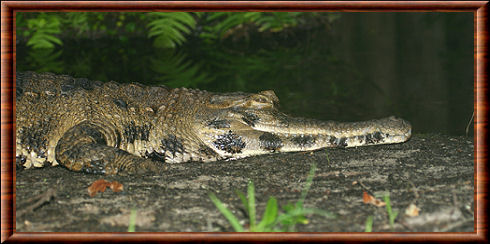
[(9, 8)]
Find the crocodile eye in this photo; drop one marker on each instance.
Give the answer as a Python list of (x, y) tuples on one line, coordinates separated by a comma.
[(261, 100)]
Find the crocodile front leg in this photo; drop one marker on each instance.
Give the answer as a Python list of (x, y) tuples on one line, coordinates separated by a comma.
[(84, 148)]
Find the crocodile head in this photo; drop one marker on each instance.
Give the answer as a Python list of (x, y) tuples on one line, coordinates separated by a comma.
[(238, 125)]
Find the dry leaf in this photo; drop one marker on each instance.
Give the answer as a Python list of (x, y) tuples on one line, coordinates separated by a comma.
[(116, 186), (412, 210), (101, 185), (97, 186), (366, 198)]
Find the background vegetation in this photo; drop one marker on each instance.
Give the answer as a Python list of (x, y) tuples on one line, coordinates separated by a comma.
[(330, 66), (49, 35), (199, 50), (168, 30)]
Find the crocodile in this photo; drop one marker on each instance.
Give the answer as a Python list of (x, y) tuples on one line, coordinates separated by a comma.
[(110, 128)]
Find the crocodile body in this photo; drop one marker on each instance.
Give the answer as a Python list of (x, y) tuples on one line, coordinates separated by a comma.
[(111, 128)]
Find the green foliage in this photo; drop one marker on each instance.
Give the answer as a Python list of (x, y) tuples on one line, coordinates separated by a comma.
[(295, 213), (44, 30), (222, 24), (216, 25), (78, 21), (277, 21), (169, 29), (41, 31), (271, 221)]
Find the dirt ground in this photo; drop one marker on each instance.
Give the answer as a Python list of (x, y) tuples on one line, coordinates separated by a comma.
[(433, 172)]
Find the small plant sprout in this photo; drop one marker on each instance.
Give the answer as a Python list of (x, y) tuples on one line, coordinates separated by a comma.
[(271, 221), (391, 214)]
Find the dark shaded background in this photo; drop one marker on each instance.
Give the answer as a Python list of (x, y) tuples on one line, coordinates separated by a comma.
[(418, 66)]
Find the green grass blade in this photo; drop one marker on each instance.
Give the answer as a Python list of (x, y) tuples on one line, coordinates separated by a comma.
[(251, 204), (369, 224), (303, 211), (270, 214), (244, 200), (309, 181), (226, 212), (132, 221), (391, 214)]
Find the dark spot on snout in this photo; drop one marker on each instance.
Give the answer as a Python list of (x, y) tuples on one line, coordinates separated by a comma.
[(250, 118), (361, 139), (270, 142), (374, 138), (283, 119), (304, 140), (219, 124), (333, 140), (369, 139), (230, 142), (340, 142)]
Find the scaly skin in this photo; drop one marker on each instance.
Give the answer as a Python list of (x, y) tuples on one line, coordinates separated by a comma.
[(110, 128)]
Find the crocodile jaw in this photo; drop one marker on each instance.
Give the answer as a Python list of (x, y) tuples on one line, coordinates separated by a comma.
[(243, 138)]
